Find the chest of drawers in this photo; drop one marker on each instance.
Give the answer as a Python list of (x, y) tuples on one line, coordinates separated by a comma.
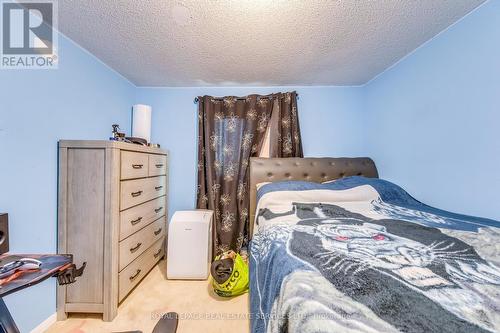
[(111, 214)]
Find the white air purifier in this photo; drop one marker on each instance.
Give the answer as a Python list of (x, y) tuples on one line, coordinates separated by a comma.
[(190, 245)]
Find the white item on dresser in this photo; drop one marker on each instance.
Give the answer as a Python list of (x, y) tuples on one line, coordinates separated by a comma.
[(141, 121), (190, 245), (112, 215)]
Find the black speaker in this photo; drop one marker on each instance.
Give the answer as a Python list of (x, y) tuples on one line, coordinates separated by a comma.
[(4, 233)]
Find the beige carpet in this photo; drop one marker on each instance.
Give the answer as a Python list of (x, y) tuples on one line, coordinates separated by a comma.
[(200, 310)]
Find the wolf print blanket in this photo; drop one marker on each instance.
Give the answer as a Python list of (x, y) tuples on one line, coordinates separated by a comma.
[(361, 255)]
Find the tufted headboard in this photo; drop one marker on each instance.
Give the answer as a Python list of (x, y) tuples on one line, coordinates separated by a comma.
[(314, 169)]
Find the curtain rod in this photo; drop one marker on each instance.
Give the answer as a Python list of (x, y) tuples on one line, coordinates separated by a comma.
[(240, 98)]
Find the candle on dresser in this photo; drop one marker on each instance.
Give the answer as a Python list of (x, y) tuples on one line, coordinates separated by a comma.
[(141, 121)]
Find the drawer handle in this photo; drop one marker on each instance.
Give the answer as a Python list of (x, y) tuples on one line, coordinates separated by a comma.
[(132, 278), (158, 209), (137, 220), (157, 253), (136, 194), (159, 165), (135, 248), (158, 187), (137, 166), (157, 232)]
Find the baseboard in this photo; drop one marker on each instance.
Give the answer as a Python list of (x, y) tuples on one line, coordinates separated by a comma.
[(44, 325)]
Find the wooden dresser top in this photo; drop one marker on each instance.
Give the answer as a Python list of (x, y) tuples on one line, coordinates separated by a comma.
[(110, 144)]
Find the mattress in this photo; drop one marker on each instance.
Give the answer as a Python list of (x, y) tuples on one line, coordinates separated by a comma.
[(361, 255)]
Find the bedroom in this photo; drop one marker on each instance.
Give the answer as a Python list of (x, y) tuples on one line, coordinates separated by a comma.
[(411, 86)]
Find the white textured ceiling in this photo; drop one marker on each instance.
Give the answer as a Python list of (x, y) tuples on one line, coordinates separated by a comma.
[(259, 42)]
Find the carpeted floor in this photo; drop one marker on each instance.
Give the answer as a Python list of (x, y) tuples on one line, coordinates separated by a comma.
[(200, 310)]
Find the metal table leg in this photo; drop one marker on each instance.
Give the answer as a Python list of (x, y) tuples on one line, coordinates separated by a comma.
[(7, 324)]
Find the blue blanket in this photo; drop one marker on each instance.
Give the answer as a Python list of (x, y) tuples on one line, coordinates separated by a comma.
[(385, 264)]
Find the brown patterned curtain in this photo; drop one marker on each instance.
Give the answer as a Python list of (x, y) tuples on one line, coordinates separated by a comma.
[(231, 130), (284, 127)]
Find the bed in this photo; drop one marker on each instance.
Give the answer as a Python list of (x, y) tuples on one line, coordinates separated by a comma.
[(336, 249)]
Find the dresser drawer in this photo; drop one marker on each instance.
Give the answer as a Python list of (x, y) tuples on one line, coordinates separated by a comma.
[(133, 165), (133, 273), (137, 191), (137, 217), (157, 165), (133, 246)]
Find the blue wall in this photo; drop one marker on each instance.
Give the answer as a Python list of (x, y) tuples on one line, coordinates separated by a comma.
[(80, 100), (330, 120), (433, 120)]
